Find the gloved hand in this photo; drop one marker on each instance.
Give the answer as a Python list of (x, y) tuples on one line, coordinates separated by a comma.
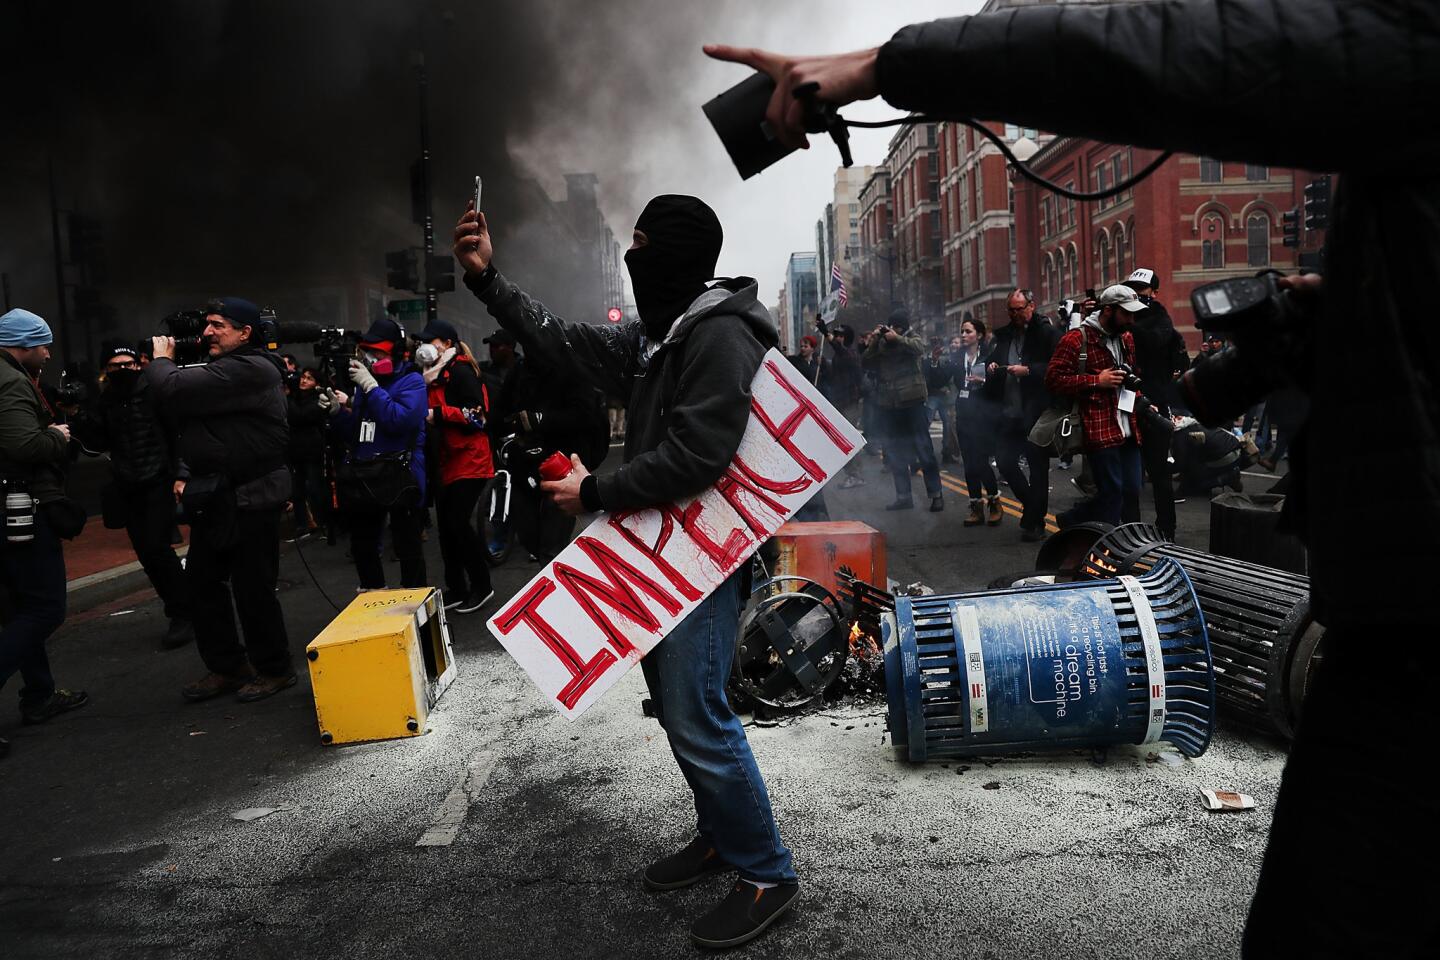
[(363, 378), (327, 402)]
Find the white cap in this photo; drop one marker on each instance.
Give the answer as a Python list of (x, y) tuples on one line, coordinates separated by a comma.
[(1119, 295), (1144, 277)]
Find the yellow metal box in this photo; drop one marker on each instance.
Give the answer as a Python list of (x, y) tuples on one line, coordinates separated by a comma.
[(379, 667)]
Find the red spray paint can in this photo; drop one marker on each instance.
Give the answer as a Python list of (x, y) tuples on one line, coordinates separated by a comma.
[(557, 466)]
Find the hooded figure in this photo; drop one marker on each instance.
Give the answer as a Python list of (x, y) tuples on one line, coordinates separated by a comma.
[(683, 238), (685, 368)]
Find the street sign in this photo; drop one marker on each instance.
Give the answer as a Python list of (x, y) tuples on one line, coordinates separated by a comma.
[(632, 576), (614, 315), (404, 307)]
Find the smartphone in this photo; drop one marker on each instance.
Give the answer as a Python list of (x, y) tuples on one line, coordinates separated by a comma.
[(476, 199), (1089, 291)]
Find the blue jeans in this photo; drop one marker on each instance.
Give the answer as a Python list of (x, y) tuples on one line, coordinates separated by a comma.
[(686, 674), (1117, 476), (907, 441), (34, 572)]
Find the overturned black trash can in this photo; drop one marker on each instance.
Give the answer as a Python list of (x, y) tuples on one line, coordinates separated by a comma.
[(1050, 667), (1263, 639), (1246, 527)]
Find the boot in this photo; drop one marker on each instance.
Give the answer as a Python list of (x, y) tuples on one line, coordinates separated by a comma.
[(976, 516), (996, 513)]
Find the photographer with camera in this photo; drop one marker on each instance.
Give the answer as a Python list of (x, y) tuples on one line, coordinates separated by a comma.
[(900, 394), (309, 493), (460, 460), (1160, 358), (1092, 363), (686, 366), (1220, 78), (140, 496), (34, 452), (841, 381), (383, 474), (232, 483)]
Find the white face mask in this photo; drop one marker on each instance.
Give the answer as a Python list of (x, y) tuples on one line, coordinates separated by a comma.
[(427, 355)]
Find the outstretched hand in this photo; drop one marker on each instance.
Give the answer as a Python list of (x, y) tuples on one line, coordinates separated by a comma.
[(842, 78), (472, 241)]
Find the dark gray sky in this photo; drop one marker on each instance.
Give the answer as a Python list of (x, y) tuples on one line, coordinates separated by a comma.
[(271, 139)]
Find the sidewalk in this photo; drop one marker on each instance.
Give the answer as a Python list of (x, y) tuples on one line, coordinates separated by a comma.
[(101, 566)]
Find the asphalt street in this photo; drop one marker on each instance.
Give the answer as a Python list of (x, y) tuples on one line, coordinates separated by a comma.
[(119, 840)]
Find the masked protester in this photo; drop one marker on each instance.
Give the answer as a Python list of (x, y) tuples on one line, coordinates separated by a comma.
[(686, 367), (461, 463), (140, 494), (383, 474)]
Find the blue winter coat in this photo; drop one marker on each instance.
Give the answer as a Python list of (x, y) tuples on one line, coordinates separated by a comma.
[(397, 407)]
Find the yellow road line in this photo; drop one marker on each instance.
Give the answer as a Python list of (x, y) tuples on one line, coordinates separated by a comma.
[(1012, 507)]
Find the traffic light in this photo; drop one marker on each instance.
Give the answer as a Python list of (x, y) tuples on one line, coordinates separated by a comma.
[(1290, 227), (1317, 204), (441, 273), (402, 270)]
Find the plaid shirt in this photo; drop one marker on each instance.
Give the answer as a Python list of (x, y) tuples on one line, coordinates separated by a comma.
[(1099, 406)]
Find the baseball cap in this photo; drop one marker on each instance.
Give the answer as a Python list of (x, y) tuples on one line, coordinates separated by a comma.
[(439, 330), (1143, 277), (501, 336), (1119, 295), (240, 312)]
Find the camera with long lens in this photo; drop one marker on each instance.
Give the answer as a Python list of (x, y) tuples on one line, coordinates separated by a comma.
[(1271, 332), (1149, 414), (188, 329)]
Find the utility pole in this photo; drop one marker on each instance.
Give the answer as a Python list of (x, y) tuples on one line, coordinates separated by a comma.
[(64, 313), (432, 301)]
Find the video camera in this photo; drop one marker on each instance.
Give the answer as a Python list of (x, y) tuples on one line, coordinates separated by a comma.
[(1271, 331)]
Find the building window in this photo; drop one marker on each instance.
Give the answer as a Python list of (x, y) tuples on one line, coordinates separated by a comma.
[(1210, 170), (1072, 264), (1012, 132), (1257, 240), (1212, 243), (1102, 182), (1045, 217), (1102, 258), (1256, 172), (1133, 243), (1120, 250)]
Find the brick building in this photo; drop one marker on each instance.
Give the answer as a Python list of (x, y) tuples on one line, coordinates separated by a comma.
[(913, 162), (872, 288), (1195, 220), (977, 223)]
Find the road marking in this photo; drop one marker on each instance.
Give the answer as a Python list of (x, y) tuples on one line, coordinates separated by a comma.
[(1009, 507), (450, 816)]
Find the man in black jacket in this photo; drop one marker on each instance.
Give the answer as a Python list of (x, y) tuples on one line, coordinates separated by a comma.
[(233, 483), (1160, 357), (686, 366), (1015, 384), (126, 424), (1223, 78)]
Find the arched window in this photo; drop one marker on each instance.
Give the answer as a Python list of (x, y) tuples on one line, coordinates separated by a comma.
[(1072, 264), (1121, 250), (1133, 243), (1212, 242), (1047, 270), (1102, 258), (1257, 240)]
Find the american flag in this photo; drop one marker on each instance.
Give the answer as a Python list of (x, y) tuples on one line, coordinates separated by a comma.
[(837, 285)]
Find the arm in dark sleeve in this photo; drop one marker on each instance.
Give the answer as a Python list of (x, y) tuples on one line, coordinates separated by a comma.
[(463, 391), (22, 439), (608, 355), (1216, 77), (224, 385), (708, 415)]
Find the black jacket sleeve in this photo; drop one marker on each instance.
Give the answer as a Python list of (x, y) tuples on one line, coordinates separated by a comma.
[(1294, 83), (706, 418), (608, 355)]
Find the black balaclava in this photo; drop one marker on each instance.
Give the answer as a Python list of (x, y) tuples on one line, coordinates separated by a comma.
[(671, 270)]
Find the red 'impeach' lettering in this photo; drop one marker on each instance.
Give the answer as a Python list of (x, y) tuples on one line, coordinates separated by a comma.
[(582, 674), (615, 592), (785, 431), (652, 552)]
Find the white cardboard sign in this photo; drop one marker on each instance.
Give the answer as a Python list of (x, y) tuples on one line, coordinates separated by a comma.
[(623, 584)]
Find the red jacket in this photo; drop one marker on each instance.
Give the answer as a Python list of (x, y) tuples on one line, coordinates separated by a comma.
[(462, 448), (1099, 406)]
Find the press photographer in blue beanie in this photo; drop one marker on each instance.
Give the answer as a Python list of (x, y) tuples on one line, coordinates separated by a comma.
[(233, 434), (33, 453)]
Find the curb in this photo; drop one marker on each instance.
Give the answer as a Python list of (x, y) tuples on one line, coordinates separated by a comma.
[(92, 590)]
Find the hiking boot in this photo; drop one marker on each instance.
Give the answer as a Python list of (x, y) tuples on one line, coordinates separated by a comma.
[(976, 516), (996, 512), (474, 602), (901, 505), (743, 915), (213, 685), (937, 504), (1032, 534), (261, 686), (179, 633), (691, 865), (58, 702)]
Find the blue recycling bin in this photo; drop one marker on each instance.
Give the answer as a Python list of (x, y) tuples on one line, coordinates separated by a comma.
[(1084, 664)]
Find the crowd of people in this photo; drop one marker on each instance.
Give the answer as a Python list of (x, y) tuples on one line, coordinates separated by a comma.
[(1113, 359)]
